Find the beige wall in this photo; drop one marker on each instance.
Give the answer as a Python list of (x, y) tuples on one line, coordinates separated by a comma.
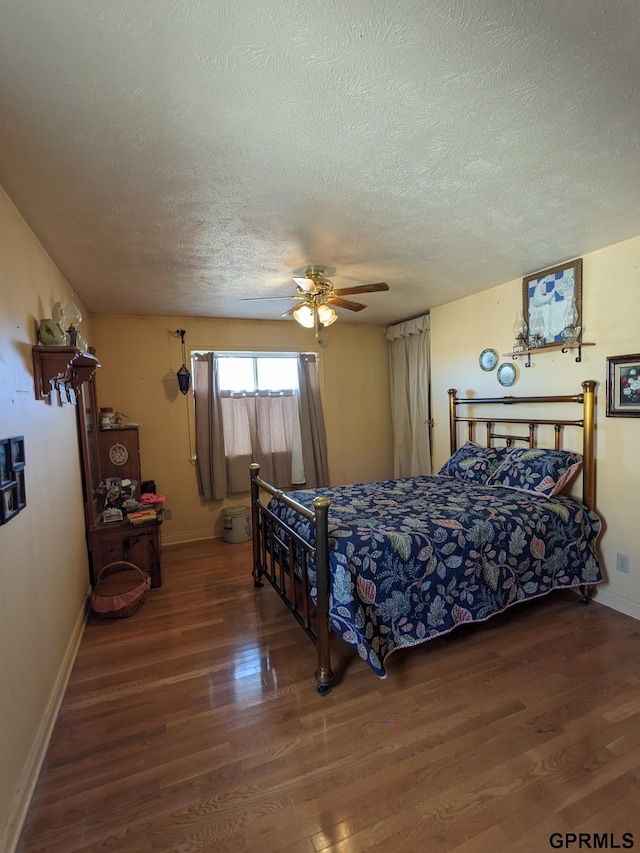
[(44, 565), (611, 299), (140, 358), (43, 556)]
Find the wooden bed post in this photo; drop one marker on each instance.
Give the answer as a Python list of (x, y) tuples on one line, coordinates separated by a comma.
[(254, 468), (453, 427), (324, 675)]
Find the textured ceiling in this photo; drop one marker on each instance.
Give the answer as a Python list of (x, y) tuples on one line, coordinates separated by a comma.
[(178, 157)]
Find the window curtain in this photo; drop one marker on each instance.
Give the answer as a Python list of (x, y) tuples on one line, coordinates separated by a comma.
[(211, 464), (314, 440), (233, 430), (409, 378), (265, 428)]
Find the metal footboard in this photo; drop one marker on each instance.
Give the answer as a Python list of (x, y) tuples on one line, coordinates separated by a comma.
[(282, 556)]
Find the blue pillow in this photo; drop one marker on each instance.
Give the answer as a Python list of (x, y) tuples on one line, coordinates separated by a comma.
[(473, 463), (537, 471)]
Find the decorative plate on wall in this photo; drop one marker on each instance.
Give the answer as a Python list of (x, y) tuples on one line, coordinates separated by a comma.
[(488, 359), (507, 374), (118, 454)]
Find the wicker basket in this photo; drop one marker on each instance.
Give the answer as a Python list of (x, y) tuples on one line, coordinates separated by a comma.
[(120, 589)]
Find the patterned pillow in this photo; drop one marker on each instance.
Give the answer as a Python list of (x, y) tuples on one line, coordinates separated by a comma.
[(474, 463), (538, 471)]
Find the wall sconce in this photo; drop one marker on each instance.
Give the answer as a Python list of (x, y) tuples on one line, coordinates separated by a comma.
[(183, 375)]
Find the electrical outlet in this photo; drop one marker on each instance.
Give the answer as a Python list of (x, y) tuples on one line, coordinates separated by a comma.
[(168, 516), (622, 563)]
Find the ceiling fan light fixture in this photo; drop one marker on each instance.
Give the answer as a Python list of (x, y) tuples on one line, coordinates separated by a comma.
[(303, 314), (326, 315)]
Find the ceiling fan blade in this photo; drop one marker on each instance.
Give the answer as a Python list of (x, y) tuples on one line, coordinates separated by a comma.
[(346, 303), (254, 298), (289, 313), (305, 283), (362, 288)]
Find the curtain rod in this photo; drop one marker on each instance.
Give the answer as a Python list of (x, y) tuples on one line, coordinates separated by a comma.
[(412, 317)]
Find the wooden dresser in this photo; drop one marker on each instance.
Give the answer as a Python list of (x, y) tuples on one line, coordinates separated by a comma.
[(121, 540), (113, 453), (119, 454)]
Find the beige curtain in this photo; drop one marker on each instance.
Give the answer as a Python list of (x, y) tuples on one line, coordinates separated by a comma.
[(314, 440), (409, 378)]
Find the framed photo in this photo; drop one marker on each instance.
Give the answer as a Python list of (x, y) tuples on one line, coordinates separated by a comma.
[(17, 452), (5, 461), (623, 386), (8, 502), (13, 495), (552, 304), (21, 492)]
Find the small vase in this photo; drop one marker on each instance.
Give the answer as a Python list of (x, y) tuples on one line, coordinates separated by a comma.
[(51, 334)]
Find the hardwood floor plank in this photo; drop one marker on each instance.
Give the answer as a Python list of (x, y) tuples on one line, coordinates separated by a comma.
[(194, 726)]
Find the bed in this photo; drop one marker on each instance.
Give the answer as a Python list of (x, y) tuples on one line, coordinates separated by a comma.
[(390, 565)]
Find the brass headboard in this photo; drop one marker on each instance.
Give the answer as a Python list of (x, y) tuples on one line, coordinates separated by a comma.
[(587, 422)]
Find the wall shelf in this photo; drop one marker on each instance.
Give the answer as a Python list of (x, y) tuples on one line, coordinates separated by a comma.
[(63, 369), (537, 350)]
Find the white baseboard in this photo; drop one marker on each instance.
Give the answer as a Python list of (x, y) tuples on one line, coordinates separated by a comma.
[(191, 536), (19, 807), (617, 602)]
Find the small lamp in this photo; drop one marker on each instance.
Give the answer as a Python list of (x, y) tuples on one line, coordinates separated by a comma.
[(520, 332), (183, 375), (571, 331), (537, 331)]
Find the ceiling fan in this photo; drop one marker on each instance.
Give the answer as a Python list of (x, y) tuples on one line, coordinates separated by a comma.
[(317, 296)]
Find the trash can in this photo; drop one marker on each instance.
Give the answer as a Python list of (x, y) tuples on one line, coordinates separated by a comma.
[(237, 524)]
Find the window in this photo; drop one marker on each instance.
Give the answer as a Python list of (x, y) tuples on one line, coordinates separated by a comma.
[(239, 373), (257, 407), (260, 415)]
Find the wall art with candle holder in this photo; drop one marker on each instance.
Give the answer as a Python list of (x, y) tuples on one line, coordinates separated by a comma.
[(551, 315), (552, 305)]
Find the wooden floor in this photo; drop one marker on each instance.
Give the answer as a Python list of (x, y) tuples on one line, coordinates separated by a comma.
[(194, 726)]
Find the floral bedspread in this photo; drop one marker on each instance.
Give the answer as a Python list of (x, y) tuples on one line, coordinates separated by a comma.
[(411, 559)]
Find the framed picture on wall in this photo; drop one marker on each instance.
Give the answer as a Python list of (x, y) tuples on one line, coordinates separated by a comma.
[(552, 304), (623, 386), (5, 461), (8, 502), (21, 492), (17, 452)]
